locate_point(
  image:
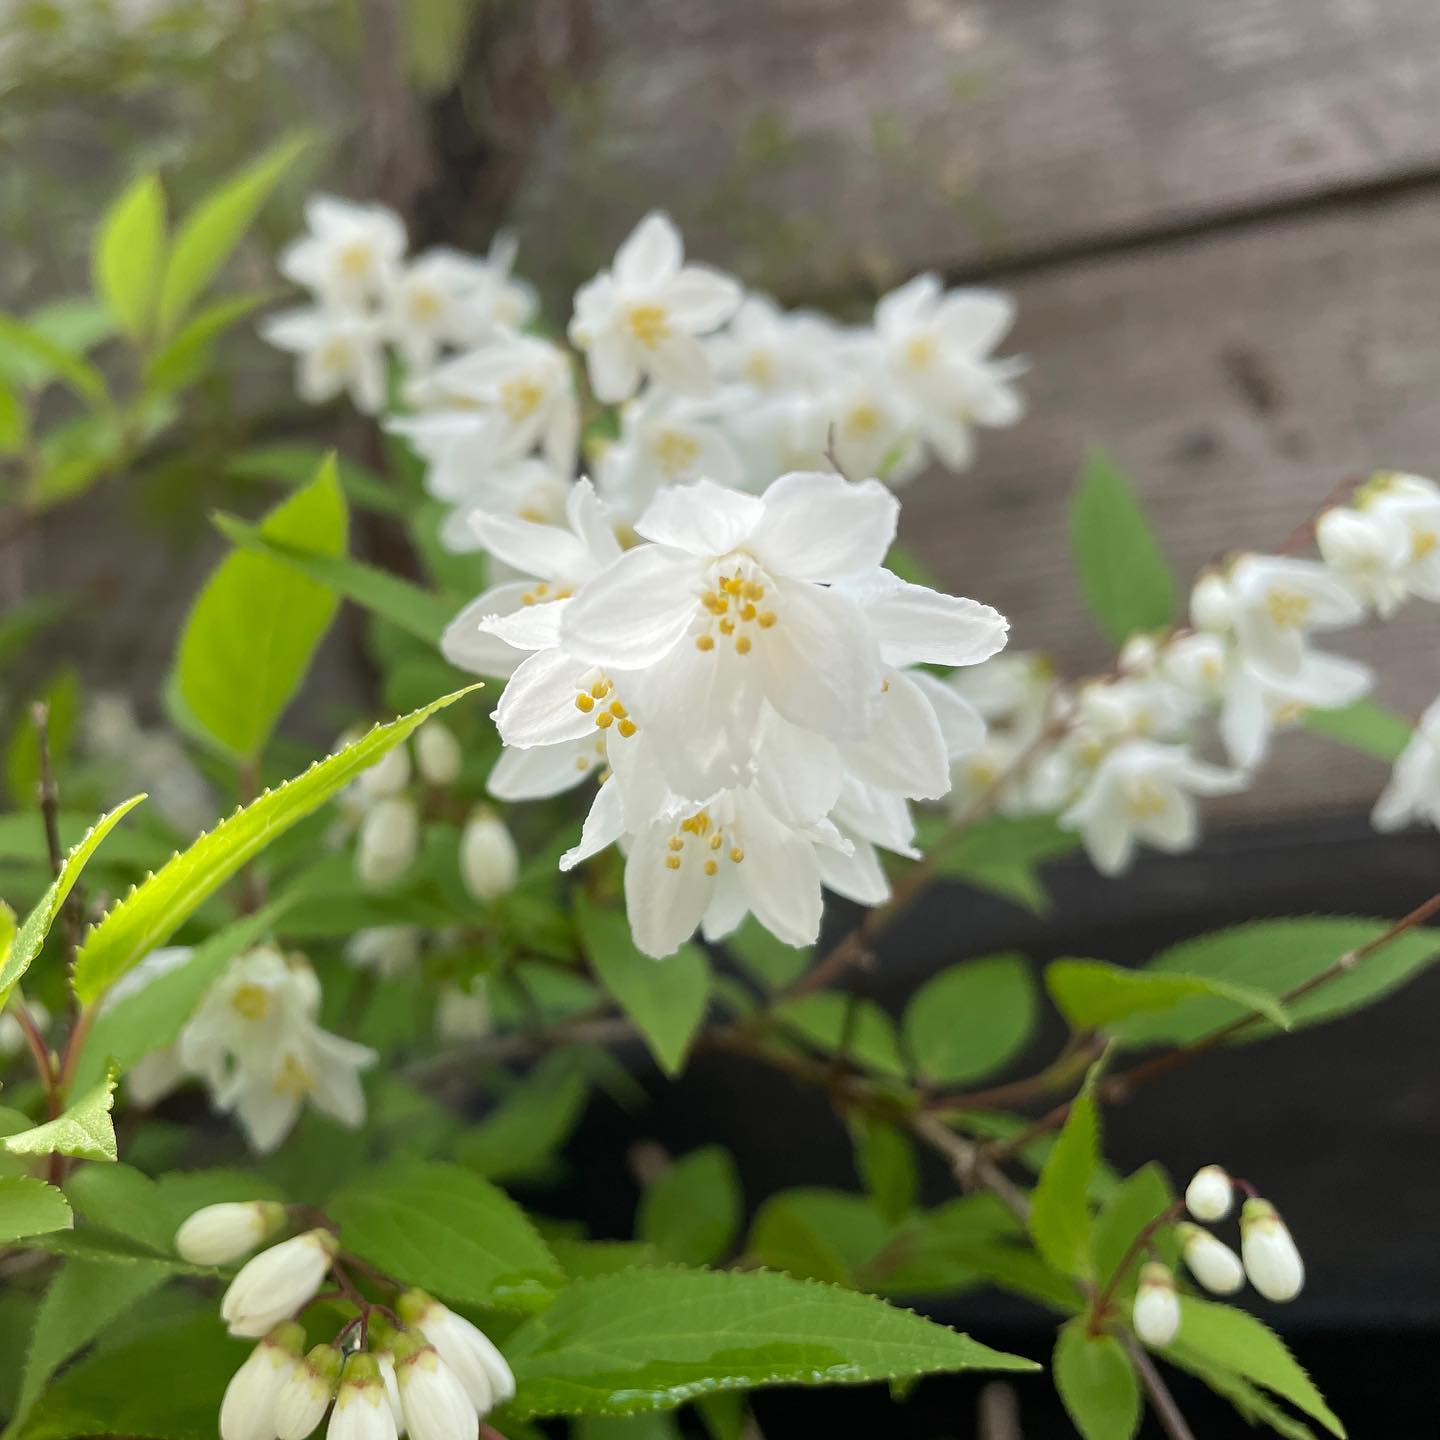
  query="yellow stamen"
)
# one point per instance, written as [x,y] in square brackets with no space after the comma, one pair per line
[675,843]
[649,324]
[742,644]
[251,1000]
[626,728]
[716,841]
[618,710]
[604,719]
[672,862]
[748,613]
[585,703]
[704,642]
[711,867]
[737,854]
[1287,608]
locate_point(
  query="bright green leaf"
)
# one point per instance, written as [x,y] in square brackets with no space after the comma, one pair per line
[1003,853]
[182,359]
[1363,726]
[1139,1199]
[1123,574]
[665,998]
[293,465]
[14,420]
[48,357]
[1093,995]
[254,629]
[85,1130]
[151,913]
[837,1023]
[31,1207]
[971,1019]
[653,1339]
[1097,1383]
[1059,1206]
[446,1230]
[129,253]
[692,1212]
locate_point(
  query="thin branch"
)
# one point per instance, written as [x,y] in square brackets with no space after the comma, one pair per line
[1161,1400]
[49,798]
[1136,1248]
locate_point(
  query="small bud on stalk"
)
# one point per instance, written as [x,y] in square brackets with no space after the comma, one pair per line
[466,1349]
[248,1410]
[219,1234]
[277,1283]
[361,1410]
[438,755]
[1210,1194]
[1212,1262]
[306,1395]
[389,841]
[1271,1260]
[489,861]
[435,1404]
[1156,1316]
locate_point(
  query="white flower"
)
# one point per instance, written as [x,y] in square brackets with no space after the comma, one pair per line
[641,318]
[463,1014]
[1212,603]
[277,1282]
[362,1410]
[351,254]
[1271,1260]
[937,347]
[306,1395]
[1278,602]
[217,1234]
[388,843]
[429,304]
[1210,1193]
[1413,792]
[248,1410]
[1367,552]
[435,1404]
[1156,1316]
[438,755]
[467,1350]
[1410,505]
[771,350]
[489,861]
[388,950]
[1142,791]
[1212,1262]
[337,351]
[386,1362]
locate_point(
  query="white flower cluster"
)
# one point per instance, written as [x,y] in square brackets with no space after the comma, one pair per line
[255,1044]
[744,683]
[709,382]
[1127,760]
[434,1376]
[1268,1257]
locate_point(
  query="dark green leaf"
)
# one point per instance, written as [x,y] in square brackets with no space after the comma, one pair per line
[885,1160]
[970,1019]
[1093,995]
[1060,1207]
[531,1122]
[1138,1200]
[31,1207]
[833,1022]
[692,1212]
[1097,1383]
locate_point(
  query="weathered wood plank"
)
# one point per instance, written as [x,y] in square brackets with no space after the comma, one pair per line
[1238,378]
[809,143]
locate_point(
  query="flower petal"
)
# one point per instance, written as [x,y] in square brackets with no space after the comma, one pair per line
[920,626]
[701,298]
[465,645]
[779,874]
[681,362]
[545,551]
[543,770]
[858,876]
[538,706]
[961,724]
[905,750]
[651,254]
[702,518]
[603,826]
[635,611]
[664,906]
[975,320]
[819,526]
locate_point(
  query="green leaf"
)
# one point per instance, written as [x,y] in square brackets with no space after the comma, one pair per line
[36,926]
[531,1122]
[1275,956]
[48,357]
[14,421]
[150,914]
[31,1207]
[971,1019]
[1364,726]
[416,611]
[21,623]
[1059,1206]
[788,1234]
[61,698]
[770,962]
[885,1160]
[209,234]
[665,998]
[1236,1340]
[833,1022]
[182,359]
[85,1298]
[448,1231]
[692,1213]
[1139,1199]
[1093,995]
[653,1339]
[254,629]
[85,1130]
[1122,572]
[293,465]
[1097,1384]
[129,254]
[1002,854]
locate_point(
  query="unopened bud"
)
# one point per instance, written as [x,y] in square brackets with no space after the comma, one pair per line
[1156,1317]
[219,1234]
[463,1014]
[466,1349]
[361,1410]
[306,1395]
[389,775]
[1271,1260]
[277,1283]
[434,1402]
[438,755]
[389,841]
[1212,606]
[489,861]
[1210,1194]
[248,1410]
[1212,1262]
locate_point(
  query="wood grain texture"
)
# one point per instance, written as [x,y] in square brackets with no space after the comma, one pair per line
[1237,378]
[811,143]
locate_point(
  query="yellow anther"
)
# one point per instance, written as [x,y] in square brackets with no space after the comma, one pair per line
[920,353]
[742,644]
[604,719]
[732,586]
[704,642]
[626,728]
[766,619]
[736,854]
[520,399]
[884,687]
[618,710]
[527,598]
[581,764]
[600,689]
[585,703]
[355,259]
[748,613]
[711,867]
[541,589]
[251,1000]
[727,627]
[716,840]
[754,590]
[672,862]
[649,324]
[1288,608]
[1422,542]
[675,843]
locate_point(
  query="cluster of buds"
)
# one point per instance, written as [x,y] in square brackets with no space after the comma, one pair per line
[1268,1256]
[421,1370]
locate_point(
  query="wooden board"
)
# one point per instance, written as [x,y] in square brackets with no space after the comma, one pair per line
[813,143]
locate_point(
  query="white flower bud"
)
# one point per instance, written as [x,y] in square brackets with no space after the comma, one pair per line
[438,755]
[465,1348]
[361,1410]
[218,1234]
[306,1395]
[1139,653]
[389,841]
[389,775]
[1271,1260]
[277,1283]
[392,1390]
[1156,1316]
[1212,1262]
[435,1404]
[248,1410]
[463,1014]
[489,861]
[388,950]
[1212,607]
[1210,1194]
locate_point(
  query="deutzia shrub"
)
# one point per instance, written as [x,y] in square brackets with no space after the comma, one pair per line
[682,727]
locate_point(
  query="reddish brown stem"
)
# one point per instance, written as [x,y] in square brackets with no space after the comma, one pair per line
[1101,1306]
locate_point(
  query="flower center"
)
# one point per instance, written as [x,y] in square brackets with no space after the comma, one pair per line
[920,352]
[542,594]
[1147,800]
[294,1079]
[520,398]
[760,368]
[702,838]
[599,701]
[424,305]
[1422,542]
[674,452]
[335,354]
[862,420]
[1287,608]
[736,607]
[648,324]
[355,259]
[251,1001]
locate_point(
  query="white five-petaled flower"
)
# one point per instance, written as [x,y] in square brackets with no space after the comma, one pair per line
[1271,1260]
[1367,553]
[277,1282]
[1413,792]
[350,255]
[247,1411]
[642,318]
[362,1408]
[430,304]
[338,351]
[1142,790]
[1277,602]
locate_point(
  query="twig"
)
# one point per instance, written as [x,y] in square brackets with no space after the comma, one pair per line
[48,794]
[1162,1401]
[1101,1304]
